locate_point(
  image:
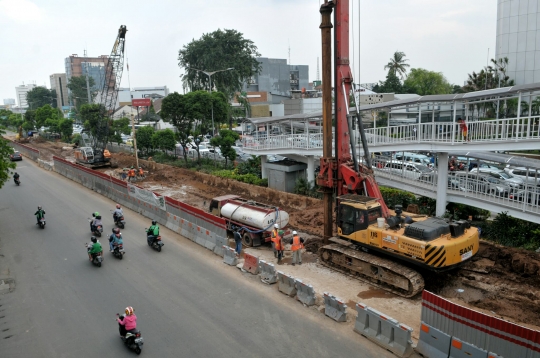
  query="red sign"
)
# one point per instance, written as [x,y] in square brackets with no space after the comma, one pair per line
[141,102]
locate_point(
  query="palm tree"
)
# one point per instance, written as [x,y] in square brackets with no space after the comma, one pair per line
[397,64]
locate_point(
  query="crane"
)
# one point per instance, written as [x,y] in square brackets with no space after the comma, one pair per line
[96,155]
[372,245]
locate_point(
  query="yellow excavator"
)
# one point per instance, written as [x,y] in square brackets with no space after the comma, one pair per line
[372,244]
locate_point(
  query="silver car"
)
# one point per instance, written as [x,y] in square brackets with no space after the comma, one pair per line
[482,183]
[515,183]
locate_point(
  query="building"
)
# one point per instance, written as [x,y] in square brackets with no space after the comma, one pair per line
[8,103]
[20,93]
[95,66]
[518,32]
[278,79]
[59,84]
[150,92]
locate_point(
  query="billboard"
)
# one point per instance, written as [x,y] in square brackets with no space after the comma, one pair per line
[141,102]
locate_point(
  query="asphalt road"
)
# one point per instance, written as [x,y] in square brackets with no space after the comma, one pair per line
[188,303]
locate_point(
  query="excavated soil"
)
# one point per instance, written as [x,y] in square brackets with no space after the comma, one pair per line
[500,281]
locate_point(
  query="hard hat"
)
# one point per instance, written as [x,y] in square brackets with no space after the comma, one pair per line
[129,310]
[276,226]
[294,233]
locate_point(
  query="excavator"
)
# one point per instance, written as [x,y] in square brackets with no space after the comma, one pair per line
[372,244]
[95,154]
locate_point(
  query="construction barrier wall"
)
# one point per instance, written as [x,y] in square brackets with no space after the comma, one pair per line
[488,333]
[201,227]
[25,150]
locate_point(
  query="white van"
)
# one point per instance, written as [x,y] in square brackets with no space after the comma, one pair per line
[413,171]
[413,158]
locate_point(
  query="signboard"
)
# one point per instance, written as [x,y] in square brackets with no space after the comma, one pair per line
[147,196]
[141,102]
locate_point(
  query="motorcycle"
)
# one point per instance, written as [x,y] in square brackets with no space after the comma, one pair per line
[132,340]
[155,242]
[96,231]
[41,223]
[119,221]
[118,251]
[96,258]
[17,181]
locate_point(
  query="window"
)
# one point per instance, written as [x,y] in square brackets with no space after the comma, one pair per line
[351,219]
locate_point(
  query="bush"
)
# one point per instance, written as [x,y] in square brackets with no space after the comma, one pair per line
[509,231]
[245,178]
[393,197]
[307,188]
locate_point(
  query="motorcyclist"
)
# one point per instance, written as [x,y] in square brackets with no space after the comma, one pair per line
[115,239]
[96,222]
[40,213]
[127,323]
[16,176]
[95,249]
[118,213]
[152,233]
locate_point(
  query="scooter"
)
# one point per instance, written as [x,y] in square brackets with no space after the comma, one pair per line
[154,242]
[120,222]
[132,340]
[17,181]
[118,251]
[41,223]
[96,231]
[96,258]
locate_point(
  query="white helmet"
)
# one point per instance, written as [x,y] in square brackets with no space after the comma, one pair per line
[294,233]
[276,226]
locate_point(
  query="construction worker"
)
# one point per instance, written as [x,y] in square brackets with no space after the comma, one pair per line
[280,245]
[141,173]
[274,238]
[297,244]
[131,174]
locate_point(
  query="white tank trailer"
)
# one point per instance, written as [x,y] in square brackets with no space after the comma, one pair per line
[248,214]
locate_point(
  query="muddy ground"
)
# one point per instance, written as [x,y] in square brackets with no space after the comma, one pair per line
[500,281]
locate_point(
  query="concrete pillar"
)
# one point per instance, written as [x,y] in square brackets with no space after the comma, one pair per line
[442,183]
[311,168]
[264,174]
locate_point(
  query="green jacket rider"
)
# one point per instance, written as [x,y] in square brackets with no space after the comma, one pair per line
[40,213]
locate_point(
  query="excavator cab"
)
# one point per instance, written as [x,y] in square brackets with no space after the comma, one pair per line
[356,213]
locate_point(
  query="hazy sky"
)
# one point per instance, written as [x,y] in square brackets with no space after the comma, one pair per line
[36,36]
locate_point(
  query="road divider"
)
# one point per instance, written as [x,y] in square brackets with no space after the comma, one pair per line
[460,349]
[304,292]
[286,284]
[335,308]
[433,343]
[251,264]
[229,256]
[268,272]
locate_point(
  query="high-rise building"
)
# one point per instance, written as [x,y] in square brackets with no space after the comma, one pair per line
[95,66]
[278,78]
[20,93]
[59,84]
[518,38]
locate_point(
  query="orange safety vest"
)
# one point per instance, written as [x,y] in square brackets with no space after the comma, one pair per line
[274,235]
[296,243]
[279,244]
[141,173]
[131,173]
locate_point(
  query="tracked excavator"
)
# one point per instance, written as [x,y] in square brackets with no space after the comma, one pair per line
[372,245]
[95,153]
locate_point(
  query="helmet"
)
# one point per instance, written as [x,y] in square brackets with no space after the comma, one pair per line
[294,233]
[118,206]
[276,226]
[96,214]
[39,207]
[154,222]
[129,311]
[94,239]
[116,230]
[132,167]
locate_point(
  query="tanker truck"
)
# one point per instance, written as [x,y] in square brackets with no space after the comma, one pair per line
[255,220]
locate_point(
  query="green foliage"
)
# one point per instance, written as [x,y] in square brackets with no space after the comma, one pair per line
[397,64]
[76,139]
[462,211]
[41,96]
[245,178]
[45,113]
[174,110]
[164,140]
[65,127]
[215,51]
[79,94]
[225,140]
[307,188]
[144,138]
[92,117]
[424,82]
[117,128]
[391,85]
[393,197]
[5,163]
[251,166]
[509,231]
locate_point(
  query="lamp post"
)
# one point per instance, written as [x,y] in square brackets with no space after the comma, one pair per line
[210,74]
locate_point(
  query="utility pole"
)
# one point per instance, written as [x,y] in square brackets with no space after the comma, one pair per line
[134,140]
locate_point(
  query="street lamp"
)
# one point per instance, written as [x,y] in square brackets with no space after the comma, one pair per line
[210,74]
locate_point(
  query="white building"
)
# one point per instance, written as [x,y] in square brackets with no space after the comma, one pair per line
[9,101]
[518,38]
[150,92]
[20,93]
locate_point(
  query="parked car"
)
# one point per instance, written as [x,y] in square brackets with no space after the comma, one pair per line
[413,158]
[413,171]
[513,182]
[481,183]
[15,156]
[530,176]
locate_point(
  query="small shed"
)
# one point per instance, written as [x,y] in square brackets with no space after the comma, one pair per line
[282,175]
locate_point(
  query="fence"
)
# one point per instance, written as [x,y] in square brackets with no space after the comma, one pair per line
[25,150]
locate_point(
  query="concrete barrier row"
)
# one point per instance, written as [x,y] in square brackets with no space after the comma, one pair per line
[335,308]
[286,284]
[305,293]
[45,164]
[268,272]
[25,150]
[229,256]
[385,331]
[251,264]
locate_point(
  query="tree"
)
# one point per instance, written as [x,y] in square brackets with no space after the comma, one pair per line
[225,140]
[144,138]
[119,127]
[29,120]
[4,117]
[40,96]
[174,110]
[44,113]
[164,140]
[391,85]
[65,127]
[77,86]
[397,64]
[424,82]
[5,163]
[92,118]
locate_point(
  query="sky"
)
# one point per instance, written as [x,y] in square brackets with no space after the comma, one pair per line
[452,37]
